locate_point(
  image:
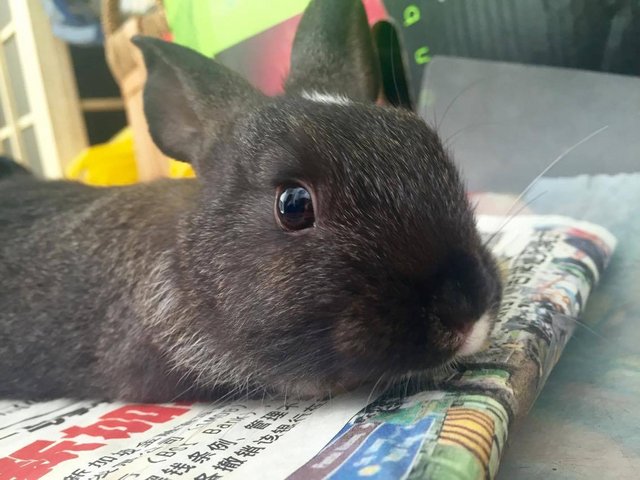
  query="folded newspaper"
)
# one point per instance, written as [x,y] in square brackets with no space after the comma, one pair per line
[456,429]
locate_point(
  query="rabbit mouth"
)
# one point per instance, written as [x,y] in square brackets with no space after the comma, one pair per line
[469,339]
[476,337]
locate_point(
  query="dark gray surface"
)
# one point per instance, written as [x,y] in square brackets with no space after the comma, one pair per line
[509,121]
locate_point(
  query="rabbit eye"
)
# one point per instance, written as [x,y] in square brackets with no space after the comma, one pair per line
[294,208]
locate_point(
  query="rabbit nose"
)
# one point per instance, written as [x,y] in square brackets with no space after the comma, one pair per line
[461,291]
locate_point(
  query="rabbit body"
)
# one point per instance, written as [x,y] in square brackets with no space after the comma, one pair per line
[327,242]
[77,265]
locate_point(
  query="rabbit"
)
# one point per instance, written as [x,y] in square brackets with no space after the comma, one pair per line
[325,241]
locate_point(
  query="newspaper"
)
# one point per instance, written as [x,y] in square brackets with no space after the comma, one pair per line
[456,429]
[64,439]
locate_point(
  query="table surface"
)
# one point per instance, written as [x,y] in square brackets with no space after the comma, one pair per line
[505,123]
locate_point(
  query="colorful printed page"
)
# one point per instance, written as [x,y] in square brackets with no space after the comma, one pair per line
[455,428]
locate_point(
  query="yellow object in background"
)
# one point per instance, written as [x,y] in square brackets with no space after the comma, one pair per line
[180,170]
[114,163]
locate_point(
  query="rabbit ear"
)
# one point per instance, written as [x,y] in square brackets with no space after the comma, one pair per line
[333,52]
[189,99]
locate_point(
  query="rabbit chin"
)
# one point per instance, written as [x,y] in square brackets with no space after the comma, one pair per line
[476,338]
[307,390]
[473,341]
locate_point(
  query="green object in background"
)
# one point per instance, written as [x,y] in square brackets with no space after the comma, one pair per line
[211,26]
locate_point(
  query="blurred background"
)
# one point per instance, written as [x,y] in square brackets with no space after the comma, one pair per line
[70,79]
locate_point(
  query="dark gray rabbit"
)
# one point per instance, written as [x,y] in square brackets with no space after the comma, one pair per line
[327,241]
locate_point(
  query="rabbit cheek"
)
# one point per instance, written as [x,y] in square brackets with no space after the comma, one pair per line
[360,338]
